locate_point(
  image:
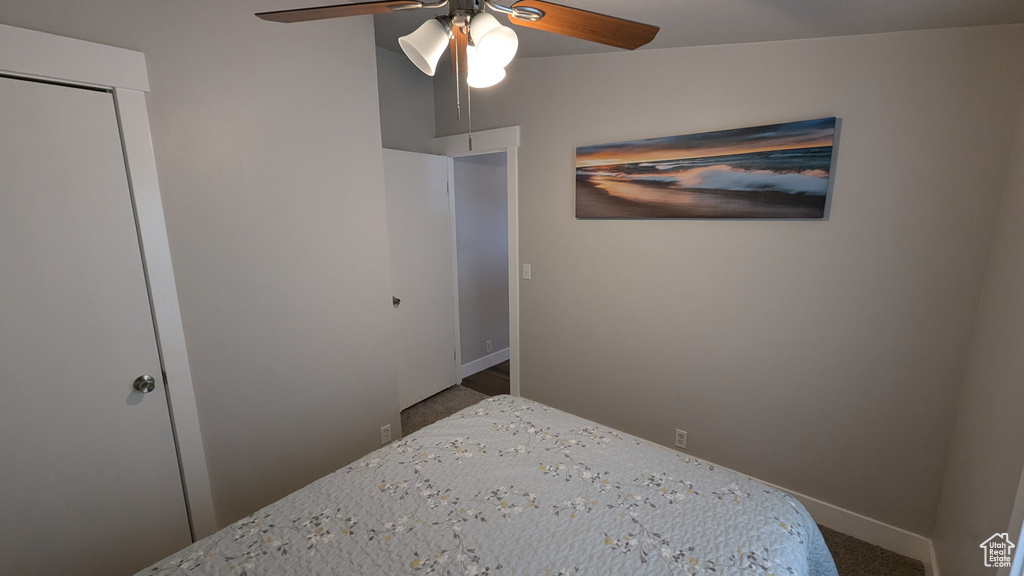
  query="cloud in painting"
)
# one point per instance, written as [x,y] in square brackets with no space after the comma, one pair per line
[803,134]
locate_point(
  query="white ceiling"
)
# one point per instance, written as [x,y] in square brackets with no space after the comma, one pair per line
[702,22]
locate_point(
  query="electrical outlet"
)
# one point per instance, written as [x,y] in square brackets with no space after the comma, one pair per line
[489,346]
[681,438]
[385,434]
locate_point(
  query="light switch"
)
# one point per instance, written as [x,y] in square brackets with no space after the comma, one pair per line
[526,271]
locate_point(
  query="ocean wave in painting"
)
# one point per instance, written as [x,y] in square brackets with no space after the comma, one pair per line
[800,171]
[726,178]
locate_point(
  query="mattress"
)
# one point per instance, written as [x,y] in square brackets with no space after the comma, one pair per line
[510,486]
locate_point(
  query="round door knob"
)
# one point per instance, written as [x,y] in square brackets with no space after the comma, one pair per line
[144,384]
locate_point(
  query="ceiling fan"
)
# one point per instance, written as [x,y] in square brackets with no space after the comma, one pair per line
[480,46]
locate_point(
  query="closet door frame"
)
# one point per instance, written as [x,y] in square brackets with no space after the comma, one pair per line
[40,56]
[498,140]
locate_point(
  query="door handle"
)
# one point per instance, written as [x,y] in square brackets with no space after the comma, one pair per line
[396,302]
[144,384]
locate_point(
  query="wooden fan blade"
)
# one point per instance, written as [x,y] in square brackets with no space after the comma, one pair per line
[585,25]
[337,11]
[458,46]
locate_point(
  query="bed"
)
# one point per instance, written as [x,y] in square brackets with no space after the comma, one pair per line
[510,486]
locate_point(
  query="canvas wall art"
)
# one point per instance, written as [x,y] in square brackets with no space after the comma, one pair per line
[776,171]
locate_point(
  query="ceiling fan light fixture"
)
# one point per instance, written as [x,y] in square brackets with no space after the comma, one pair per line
[499,46]
[480,24]
[495,43]
[425,45]
[481,73]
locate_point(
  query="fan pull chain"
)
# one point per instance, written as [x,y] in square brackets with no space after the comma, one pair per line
[458,88]
[458,94]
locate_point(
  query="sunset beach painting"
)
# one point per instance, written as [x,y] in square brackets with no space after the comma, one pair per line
[776,171]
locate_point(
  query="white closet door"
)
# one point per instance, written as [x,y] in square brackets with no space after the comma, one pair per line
[89,480]
[419,233]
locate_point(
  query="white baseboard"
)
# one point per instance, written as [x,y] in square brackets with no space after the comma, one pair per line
[870,530]
[863,528]
[483,363]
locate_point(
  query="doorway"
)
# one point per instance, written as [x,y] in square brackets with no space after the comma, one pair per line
[484,154]
[480,220]
[416,192]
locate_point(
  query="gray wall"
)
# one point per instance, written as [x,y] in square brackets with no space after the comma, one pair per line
[481,220]
[824,356]
[987,450]
[406,104]
[267,141]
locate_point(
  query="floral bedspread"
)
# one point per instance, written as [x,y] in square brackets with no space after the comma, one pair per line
[510,486]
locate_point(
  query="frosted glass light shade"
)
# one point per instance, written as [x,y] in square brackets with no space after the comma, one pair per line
[425,45]
[495,43]
[482,74]
[499,46]
[480,25]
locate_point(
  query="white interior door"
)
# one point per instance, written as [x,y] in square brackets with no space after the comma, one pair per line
[419,233]
[89,480]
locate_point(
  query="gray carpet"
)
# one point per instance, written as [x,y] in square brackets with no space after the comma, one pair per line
[858,558]
[853,557]
[440,405]
[492,381]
